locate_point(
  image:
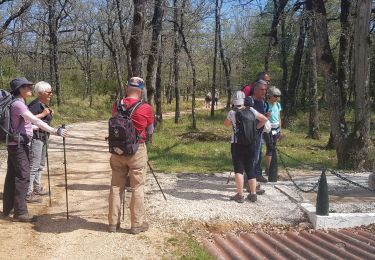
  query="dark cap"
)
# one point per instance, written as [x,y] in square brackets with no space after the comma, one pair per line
[19,82]
[136,82]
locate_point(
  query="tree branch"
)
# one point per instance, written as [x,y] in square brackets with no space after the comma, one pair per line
[22,9]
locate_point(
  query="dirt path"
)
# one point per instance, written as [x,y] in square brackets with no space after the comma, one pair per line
[197,205]
[84,235]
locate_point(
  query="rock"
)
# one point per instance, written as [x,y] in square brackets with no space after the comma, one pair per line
[371,180]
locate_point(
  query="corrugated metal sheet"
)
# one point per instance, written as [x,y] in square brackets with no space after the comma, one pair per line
[342,244]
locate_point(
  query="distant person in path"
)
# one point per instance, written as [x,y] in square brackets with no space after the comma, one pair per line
[134,165]
[274,109]
[207,100]
[18,172]
[243,152]
[39,107]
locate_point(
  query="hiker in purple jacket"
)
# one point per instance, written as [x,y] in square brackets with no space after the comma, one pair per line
[18,172]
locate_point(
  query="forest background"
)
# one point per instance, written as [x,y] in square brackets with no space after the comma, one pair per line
[319,53]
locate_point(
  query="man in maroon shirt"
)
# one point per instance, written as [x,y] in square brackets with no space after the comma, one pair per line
[134,166]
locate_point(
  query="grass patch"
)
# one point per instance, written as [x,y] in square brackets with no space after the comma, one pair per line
[186,248]
[178,148]
[77,110]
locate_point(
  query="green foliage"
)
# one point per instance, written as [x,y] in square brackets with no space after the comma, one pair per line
[77,110]
[8,71]
[186,248]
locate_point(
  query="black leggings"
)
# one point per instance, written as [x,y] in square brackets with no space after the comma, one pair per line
[243,159]
[270,141]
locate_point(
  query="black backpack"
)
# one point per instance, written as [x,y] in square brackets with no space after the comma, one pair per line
[122,136]
[246,126]
[7,134]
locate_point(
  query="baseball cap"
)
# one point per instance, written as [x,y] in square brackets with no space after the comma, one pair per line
[238,98]
[19,82]
[136,82]
[274,91]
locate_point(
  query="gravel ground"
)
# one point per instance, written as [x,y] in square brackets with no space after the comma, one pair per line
[205,197]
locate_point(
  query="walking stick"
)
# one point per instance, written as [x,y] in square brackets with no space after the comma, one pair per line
[49,183]
[152,170]
[66,178]
[230,173]
[123,205]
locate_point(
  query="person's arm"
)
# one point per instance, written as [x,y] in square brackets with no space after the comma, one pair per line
[261,118]
[27,115]
[45,113]
[227,121]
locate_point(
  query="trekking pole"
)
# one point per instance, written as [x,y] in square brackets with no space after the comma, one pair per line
[230,173]
[123,206]
[49,183]
[152,170]
[66,178]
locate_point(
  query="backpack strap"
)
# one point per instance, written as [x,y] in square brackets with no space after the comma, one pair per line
[120,107]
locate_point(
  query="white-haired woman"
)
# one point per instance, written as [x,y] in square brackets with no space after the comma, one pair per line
[39,107]
[18,171]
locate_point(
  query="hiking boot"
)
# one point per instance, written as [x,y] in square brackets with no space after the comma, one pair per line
[260,191]
[261,179]
[113,228]
[40,192]
[31,198]
[252,197]
[137,230]
[238,198]
[24,218]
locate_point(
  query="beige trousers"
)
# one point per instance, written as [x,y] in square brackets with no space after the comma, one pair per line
[136,167]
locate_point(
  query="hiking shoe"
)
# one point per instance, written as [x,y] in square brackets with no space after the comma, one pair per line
[24,218]
[137,230]
[238,198]
[40,192]
[260,191]
[252,197]
[261,179]
[113,228]
[257,188]
[31,198]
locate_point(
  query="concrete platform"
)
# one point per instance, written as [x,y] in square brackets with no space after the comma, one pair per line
[337,220]
[333,220]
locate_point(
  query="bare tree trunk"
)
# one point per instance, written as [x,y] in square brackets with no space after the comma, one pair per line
[156,23]
[136,39]
[278,9]
[345,37]
[123,37]
[113,51]
[290,100]
[158,93]
[351,149]
[284,65]
[225,62]
[314,129]
[176,64]
[213,88]
[359,137]
[53,49]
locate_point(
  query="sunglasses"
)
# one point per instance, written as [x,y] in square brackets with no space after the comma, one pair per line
[49,92]
[276,96]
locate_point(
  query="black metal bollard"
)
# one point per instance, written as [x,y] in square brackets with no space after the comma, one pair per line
[273,170]
[322,201]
